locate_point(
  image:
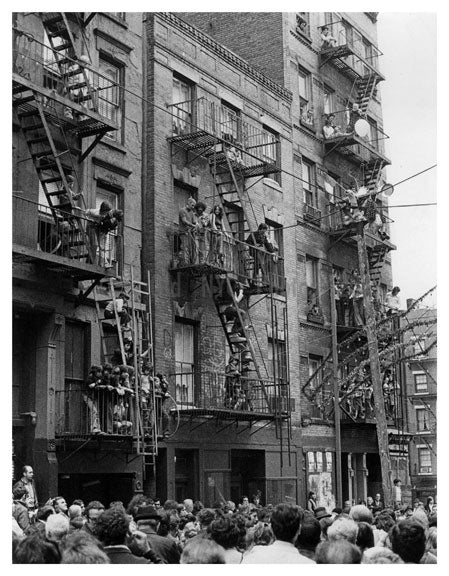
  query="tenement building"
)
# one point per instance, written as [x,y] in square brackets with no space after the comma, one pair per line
[201,250]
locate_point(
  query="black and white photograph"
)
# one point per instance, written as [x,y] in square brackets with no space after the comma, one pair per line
[224,285]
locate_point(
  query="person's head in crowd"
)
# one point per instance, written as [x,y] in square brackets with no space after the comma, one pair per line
[79,502]
[242,525]
[202,551]
[149,517]
[136,502]
[205,517]
[420,516]
[369,501]
[170,505]
[431,543]
[384,521]
[433,521]
[324,524]
[93,511]
[286,522]
[44,512]
[111,527]
[224,531]
[60,505]
[117,504]
[82,548]
[408,539]
[231,505]
[264,514]
[310,534]
[361,513]
[163,528]
[36,550]
[197,506]
[321,512]
[365,536]
[20,494]
[336,511]
[190,530]
[343,529]
[75,511]
[337,552]
[380,555]
[263,534]
[56,527]
[188,505]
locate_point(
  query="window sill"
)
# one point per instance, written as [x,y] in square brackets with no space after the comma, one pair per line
[115,145]
[303,35]
[425,474]
[272,184]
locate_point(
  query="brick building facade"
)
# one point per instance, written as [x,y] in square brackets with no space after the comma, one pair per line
[188,90]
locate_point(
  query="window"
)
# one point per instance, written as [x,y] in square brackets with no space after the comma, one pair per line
[312,280]
[305,98]
[419,346]
[328,100]
[276,262]
[422,420]
[277,352]
[182,109]
[424,461]
[420,382]
[112,244]
[230,122]
[314,362]
[308,183]
[71,405]
[182,192]
[373,135]
[109,95]
[270,150]
[303,23]
[184,361]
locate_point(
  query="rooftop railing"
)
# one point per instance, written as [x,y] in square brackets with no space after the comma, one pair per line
[217,391]
[70,237]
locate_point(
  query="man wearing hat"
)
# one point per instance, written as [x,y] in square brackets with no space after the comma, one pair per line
[321,512]
[148,519]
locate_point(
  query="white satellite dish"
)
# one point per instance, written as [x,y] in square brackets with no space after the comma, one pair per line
[387,189]
[361,128]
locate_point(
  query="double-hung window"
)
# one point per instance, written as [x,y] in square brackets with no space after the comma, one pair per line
[182,106]
[109,95]
[422,420]
[420,382]
[424,461]
[305,97]
[308,183]
[312,280]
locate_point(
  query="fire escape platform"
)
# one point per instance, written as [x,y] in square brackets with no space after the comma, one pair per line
[343,142]
[88,122]
[234,415]
[349,234]
[60,264]
[336,55]
[214,148]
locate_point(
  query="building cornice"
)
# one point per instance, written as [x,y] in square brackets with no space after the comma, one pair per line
[226,55]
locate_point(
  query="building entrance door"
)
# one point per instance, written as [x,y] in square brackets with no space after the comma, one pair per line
[247,474]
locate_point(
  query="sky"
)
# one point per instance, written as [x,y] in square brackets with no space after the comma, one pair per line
[409,96]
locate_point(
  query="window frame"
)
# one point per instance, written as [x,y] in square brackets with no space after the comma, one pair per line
[312,289]
[416,384]
[115,235]
[117,104]
[184,115]
[422,420]
[191,375]
[422,469]
[309,193]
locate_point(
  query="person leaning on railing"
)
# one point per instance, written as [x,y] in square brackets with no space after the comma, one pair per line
[102,220]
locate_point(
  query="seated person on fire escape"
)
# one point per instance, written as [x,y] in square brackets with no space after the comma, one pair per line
[102,220]
[121,306]
[388,389]
[330,129]
[201,233]
[328,41]
[216,235]
[187,231]
[128,348]
[263,249]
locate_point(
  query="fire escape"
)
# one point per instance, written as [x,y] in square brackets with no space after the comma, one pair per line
[59,104]
[239,154]
[362,364]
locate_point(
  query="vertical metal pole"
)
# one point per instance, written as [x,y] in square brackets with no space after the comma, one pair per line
[338,474]
[379,407]
[137,352]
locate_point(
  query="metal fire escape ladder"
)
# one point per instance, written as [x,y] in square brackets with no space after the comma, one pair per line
[63,45]
[365,90]
[48,164]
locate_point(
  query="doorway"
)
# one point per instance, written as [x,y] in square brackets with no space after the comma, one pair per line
[247,474]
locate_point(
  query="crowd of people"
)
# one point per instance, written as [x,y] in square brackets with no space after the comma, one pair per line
[188,533]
